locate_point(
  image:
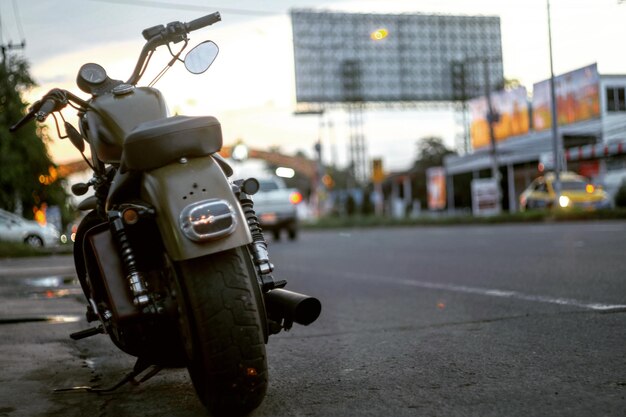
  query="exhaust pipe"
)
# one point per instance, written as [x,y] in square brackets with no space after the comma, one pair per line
[291,307]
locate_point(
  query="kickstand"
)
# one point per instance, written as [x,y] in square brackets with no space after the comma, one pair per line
[139,367]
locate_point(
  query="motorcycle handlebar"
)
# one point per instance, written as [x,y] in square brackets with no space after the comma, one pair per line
[39,110]
[27,118]
[158,35]
[162,35]
[47,107]
[55,100]
[203,21]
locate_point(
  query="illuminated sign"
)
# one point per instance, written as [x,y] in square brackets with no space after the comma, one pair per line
[436,187]
[577,98]
[511,108]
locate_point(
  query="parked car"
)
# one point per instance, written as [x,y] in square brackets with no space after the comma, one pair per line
[17,229]
[576,192]
[276,207]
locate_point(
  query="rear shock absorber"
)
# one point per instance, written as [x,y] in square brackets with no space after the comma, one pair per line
[138,289]
[258,247]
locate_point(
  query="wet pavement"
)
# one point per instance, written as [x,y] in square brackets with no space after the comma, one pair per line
[41,304]
[415,322]
[39,289]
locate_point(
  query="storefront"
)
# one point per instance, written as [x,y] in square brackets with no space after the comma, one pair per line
[591,111]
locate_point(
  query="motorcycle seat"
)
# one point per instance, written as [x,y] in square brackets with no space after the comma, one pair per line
[157,143]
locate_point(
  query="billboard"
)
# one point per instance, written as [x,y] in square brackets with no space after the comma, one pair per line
[352,57]
[577,98]
[511,108]
[436,188]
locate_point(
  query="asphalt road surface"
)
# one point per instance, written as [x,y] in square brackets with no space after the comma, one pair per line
[512,320]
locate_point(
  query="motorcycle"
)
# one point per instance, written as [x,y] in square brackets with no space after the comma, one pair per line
[170,256]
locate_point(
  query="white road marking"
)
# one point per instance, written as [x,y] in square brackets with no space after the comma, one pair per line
[509,294]
[491,292]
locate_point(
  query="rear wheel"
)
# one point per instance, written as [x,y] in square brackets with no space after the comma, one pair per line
[223,332]
[34,241]
[292,231]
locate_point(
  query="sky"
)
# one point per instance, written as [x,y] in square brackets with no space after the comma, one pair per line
[251,86]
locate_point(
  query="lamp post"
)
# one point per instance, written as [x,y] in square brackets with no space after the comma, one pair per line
[492,117]
[556,143]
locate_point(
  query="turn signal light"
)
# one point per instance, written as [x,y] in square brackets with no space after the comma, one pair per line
[130,216]
[590,188]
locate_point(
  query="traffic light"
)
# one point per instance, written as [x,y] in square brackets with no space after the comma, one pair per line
[377,170]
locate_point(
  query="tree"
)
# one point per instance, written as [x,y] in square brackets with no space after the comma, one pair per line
[27,175]
[512,83]
[430,153]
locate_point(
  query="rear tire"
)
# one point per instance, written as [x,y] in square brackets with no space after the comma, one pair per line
[292,232]
[34,241]
[223,332]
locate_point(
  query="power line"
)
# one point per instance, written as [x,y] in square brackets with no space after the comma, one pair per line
[1,28]
[177,6]
[18,20]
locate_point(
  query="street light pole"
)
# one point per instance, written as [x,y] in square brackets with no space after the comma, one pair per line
[556,143]
[492,118]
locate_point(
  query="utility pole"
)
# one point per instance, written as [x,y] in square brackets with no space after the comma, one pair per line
[4,49]
[9,47]
[491,119]
[8,90]
[556,142]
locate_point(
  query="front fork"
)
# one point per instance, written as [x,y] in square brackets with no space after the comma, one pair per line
[258,247]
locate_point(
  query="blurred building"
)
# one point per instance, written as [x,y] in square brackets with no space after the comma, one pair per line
[591,116]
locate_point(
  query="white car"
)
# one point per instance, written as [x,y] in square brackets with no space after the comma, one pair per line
[276,207]
[14,228]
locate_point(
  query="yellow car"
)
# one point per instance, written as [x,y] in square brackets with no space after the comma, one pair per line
[576,192]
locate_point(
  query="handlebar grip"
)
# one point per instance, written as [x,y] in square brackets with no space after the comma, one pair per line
[204,21]
[46,108]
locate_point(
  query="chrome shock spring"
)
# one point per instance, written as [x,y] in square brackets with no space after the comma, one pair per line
[134,277]
[258,247]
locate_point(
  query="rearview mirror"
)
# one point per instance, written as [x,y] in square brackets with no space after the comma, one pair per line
[200,58]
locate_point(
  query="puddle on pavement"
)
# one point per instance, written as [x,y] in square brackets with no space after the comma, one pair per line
[53,319]
[52,287]
[52,281]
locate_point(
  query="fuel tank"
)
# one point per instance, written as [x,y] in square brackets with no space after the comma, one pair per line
[114,116]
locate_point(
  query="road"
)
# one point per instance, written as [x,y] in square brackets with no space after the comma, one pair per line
[509,320]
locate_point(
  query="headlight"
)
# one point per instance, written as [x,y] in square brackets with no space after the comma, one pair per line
[564,201]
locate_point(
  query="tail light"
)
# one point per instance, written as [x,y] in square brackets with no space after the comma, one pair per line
[295,198]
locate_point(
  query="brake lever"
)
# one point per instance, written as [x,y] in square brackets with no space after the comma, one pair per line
[27,117]
[54,100]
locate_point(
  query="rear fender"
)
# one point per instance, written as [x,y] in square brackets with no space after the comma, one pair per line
[176,190]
